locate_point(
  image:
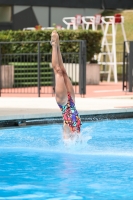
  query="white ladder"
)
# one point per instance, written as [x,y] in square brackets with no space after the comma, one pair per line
[113,22]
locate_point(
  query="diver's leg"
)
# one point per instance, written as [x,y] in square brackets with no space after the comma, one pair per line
[66,78]
[60,87]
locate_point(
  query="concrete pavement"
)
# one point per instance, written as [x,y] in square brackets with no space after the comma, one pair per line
[26,108]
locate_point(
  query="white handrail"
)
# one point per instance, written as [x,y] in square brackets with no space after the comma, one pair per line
[29,29]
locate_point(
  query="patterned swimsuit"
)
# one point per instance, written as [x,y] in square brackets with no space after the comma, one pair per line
[70,115]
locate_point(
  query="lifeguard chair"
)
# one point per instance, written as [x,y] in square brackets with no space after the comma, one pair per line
[92,22]
[79,21]
[98,21]
[109,48]
[89,22]
[29,29]
[73,22]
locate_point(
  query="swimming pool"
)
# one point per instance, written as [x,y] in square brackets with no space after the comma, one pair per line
[35,164]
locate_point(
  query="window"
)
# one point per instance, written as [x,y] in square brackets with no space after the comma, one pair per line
[5,13]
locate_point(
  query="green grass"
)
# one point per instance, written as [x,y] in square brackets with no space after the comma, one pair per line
[128,25]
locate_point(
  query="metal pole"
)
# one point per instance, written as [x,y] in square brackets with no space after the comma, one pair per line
[49,17]
[38,67]
[130,71]
[126,69]
[82,68]
[124,54]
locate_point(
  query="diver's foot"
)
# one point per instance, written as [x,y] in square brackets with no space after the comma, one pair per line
[54,38]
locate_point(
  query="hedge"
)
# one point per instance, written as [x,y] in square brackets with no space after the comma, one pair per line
[93,41]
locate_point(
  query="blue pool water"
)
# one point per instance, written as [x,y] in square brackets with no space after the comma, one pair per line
[36,165]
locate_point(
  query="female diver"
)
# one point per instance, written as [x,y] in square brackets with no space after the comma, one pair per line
[64,92]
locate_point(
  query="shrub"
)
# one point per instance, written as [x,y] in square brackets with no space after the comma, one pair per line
[93,41]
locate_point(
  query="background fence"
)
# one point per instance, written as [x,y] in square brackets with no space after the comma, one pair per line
[31,72]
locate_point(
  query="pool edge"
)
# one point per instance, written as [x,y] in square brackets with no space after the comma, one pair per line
[85,116]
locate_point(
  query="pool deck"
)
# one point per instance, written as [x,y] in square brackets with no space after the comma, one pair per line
[101,99]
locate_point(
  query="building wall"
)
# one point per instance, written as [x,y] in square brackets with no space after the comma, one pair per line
[57,14]
[30,16]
